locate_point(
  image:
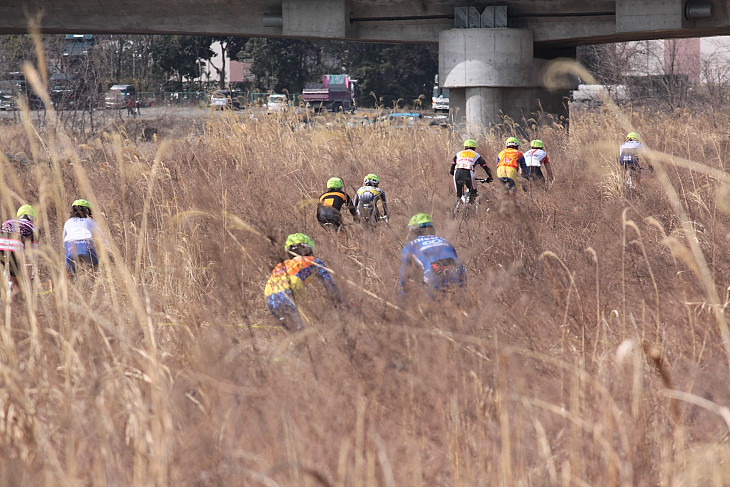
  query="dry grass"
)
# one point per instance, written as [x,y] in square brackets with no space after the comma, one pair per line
[587,350]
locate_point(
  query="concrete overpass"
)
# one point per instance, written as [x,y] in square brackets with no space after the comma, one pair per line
[490,56]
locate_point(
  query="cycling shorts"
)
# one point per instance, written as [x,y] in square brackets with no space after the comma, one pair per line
[629,162]
[281,306]
[464,177]
[329,214]
[536,173]
[77,250]
[508,175]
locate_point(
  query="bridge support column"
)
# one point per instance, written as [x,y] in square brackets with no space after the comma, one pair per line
[489,72]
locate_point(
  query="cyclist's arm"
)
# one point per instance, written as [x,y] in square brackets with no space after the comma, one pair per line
[549,171]
[523,166]
[483,163]
[350,206]
[329,284]
[546,162]
[385,203]
[405,271]
[453,166]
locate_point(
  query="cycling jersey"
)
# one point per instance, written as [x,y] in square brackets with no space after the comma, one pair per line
[79,229]
[293,274]
[536,158]
[14,237]
[330,204]
[286,285]
[511,158]
[467,159]
[337,199]
[436,260]
[23,228]
[370,195]
[629,153]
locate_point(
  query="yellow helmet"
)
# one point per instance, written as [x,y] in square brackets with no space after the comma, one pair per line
[26,210]
[420,220]
[81,203]
[298,239]
[512,142]
[470,144]
[537,144]
[632,136]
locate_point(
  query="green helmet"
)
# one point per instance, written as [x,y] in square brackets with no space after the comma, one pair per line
[371,180]
[470,144]
[81,203]
[26,210]
[420,220]
[298,239]
[512,142]
[335,183]
[537,144]
[632,136]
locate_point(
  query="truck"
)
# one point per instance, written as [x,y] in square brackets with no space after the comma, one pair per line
[336,92]
[440,97]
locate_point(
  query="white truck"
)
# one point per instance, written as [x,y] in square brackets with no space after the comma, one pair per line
[440,97]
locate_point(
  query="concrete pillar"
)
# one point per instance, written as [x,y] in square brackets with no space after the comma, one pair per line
[488,72]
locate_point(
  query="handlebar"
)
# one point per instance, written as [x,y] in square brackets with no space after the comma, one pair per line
[483,180]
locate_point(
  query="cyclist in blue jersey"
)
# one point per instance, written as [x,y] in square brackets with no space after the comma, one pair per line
[429,259]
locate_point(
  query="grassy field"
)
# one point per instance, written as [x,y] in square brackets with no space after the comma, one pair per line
[589,348]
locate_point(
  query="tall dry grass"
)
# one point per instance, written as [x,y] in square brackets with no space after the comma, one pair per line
[587,348]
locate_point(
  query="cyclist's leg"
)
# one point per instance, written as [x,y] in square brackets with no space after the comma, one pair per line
[536,174]
[509,184]
[281,306]
[71,258]
[471,185]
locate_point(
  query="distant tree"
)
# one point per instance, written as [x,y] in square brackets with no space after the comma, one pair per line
[392,71]
[179,57]
[230,47]
[14,50]
[284,64]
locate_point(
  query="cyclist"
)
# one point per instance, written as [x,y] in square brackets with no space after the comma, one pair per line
[15,235]
[331,203]
[462,168]
[535,159]
[367,198]
[629,153]
[429,259]
[286,283]
[79,233]
[508,161]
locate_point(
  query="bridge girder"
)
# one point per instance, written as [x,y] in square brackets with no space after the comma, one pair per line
[553,22]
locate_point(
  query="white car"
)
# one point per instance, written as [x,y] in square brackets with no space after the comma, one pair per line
[277,103]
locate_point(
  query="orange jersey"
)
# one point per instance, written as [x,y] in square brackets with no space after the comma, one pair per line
[510,157]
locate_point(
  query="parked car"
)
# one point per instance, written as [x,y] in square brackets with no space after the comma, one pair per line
[222,99]
[118,95]
[277,103]
[7,102]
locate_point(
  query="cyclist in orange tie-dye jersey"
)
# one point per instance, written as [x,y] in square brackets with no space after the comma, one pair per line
[287,280]
[508,163]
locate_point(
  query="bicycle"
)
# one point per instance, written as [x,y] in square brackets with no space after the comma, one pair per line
[631,183]
[16,268]
[463,207]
